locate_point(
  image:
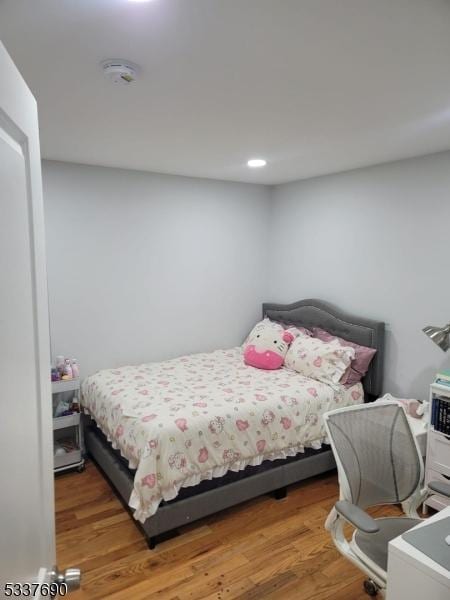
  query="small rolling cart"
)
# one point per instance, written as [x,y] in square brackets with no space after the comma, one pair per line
[68,443]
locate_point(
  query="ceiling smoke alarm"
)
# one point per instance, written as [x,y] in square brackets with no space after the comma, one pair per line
[120,72]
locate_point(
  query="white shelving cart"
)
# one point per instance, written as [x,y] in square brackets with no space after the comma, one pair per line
[437,466]
[68,431]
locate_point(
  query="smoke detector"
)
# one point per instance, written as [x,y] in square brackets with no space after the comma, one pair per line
[120,72]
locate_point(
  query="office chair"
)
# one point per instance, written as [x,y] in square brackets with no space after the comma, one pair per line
[378,462]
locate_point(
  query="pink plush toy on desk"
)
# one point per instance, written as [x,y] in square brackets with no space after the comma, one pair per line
[268,349]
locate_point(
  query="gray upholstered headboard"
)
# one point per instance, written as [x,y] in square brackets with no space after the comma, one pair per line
[315,313]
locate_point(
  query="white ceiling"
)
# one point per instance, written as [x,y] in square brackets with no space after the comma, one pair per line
[313,86]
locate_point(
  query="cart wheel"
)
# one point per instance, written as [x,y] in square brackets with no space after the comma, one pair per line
[81,468]
[370,587]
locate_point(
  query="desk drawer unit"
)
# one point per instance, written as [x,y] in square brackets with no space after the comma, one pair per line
[438,454]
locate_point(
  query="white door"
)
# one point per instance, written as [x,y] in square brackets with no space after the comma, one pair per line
[27,534]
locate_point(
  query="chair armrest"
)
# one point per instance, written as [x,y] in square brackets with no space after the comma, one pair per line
[356,516]
[440,487]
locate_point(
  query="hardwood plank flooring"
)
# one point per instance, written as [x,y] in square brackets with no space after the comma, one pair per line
[261,550]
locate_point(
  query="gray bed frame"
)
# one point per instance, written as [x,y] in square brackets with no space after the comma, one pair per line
[174,514]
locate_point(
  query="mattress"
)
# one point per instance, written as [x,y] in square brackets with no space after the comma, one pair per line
[197,417]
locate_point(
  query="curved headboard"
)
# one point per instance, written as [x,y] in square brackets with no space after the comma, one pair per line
[316,313]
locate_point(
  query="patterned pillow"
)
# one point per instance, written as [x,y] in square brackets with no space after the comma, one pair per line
[323,361]
[359,365]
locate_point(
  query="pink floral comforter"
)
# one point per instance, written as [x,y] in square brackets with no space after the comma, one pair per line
[197,417]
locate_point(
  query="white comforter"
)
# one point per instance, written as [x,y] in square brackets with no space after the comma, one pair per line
[197,417]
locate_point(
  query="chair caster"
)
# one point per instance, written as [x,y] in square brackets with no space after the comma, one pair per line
[370,587]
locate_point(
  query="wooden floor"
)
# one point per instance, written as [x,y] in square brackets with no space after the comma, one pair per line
[263,549]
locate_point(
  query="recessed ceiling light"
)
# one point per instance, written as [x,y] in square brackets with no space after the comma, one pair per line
[256,162]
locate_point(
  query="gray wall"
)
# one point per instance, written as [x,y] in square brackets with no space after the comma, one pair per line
[142,267]
[374,241]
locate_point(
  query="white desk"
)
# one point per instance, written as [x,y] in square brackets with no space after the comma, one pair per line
[412,574]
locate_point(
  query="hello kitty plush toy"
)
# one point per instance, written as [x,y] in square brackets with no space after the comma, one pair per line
[268,348]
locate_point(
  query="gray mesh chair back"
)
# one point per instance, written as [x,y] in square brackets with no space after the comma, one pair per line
[377,452]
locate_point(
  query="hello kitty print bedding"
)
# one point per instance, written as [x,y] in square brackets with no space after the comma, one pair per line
[196,417]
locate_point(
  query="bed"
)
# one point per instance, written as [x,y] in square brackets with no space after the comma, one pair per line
[191,436]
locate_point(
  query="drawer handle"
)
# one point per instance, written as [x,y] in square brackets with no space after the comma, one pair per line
[446,476]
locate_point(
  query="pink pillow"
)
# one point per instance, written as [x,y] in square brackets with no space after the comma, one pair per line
[267,346]
[359,365]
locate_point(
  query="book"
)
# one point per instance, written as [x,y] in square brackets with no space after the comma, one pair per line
[443,382]
[444,375]
[433,412]
[440,415]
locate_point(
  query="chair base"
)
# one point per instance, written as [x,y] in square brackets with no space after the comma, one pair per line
[370,587]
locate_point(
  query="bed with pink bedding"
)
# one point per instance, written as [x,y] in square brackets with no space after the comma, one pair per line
[196,417]
[187,437]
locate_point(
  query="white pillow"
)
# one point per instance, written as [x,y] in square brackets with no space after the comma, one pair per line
[323,361]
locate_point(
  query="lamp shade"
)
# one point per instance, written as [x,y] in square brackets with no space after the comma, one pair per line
[439,335]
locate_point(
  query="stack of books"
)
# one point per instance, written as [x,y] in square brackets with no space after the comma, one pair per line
[440,410]
[443,377]
[440,415]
